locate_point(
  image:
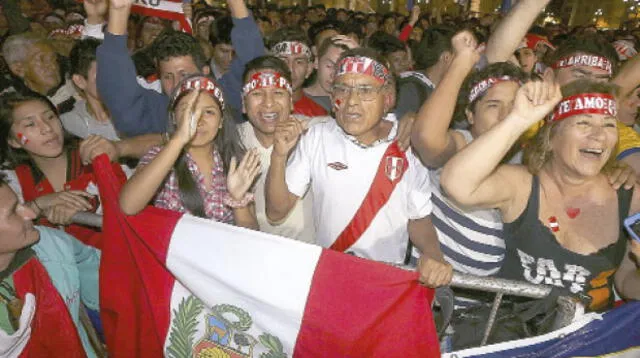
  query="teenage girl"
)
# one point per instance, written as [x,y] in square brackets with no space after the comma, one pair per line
[197,170]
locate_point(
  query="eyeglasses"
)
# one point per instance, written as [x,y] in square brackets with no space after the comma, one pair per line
[366,92]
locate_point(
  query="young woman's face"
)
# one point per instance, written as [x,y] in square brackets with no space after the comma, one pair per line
[210,119]
[37,129]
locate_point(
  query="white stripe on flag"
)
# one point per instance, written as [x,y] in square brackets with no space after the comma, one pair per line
[262,276]
[160,5]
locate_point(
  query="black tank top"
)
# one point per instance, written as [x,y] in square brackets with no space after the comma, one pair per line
[533,254]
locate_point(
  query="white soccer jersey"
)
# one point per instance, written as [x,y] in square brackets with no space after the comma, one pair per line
[340,173]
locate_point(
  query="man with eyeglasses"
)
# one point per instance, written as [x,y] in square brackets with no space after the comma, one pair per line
[370,197]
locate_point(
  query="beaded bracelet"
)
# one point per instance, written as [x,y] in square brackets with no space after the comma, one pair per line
[236,204]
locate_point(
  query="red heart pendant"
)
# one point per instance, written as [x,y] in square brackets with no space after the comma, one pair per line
[573,212]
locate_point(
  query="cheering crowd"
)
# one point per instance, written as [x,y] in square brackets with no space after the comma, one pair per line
[489,146]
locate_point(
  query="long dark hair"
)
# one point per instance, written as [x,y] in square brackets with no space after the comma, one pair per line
[12,157]
[227,143]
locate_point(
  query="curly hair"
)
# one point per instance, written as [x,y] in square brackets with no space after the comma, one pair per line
[538,152]
[498,69]
[170,44]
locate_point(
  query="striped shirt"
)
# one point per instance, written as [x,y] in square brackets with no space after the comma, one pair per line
[471,240]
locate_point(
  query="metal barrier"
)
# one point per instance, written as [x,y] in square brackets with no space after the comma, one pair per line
[567,306]
[87,219]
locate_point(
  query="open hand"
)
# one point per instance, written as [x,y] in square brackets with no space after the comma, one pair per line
[189,118]
[345,41]
[622,174]
[241,177]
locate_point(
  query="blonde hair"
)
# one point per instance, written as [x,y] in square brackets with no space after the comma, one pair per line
[538,151]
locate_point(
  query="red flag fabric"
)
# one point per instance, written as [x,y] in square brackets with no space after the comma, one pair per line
[52,315]
[181,286]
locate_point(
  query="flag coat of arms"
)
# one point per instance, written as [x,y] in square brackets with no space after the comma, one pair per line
[178,286]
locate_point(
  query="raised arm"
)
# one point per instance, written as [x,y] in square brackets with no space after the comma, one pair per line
[471,177]
[509,34]
[432,140]
[148,178]
[408,28]
[629,76]
[134,110]
[247,43]
[96,15]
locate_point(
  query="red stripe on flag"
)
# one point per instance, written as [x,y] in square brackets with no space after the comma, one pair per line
[362,308]
[135,287]
[163,14]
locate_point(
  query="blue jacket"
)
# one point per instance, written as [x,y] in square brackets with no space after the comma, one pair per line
[73,268]
[136,110]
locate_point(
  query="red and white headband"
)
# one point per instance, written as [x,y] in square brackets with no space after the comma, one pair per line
[585,103]
[483,86]
[288,48]
[363,65]
[265,80]
[594,61]
[201,83]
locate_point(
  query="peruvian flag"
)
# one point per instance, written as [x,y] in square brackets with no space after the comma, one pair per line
[178,286]
[165,9]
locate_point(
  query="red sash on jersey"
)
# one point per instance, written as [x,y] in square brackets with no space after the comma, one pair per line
[79,178]
[53,333]
[390,171]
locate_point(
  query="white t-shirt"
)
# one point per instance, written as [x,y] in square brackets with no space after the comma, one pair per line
[81,123]
[299,224]
[340,173]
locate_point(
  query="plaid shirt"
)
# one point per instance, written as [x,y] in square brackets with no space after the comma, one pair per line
[169,196]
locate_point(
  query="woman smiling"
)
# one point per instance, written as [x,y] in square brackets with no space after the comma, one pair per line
[563,220]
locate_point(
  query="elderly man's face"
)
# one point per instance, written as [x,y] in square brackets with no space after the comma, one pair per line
[41,69]
[360,101]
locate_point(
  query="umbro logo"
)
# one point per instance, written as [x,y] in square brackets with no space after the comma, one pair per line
[337,166]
